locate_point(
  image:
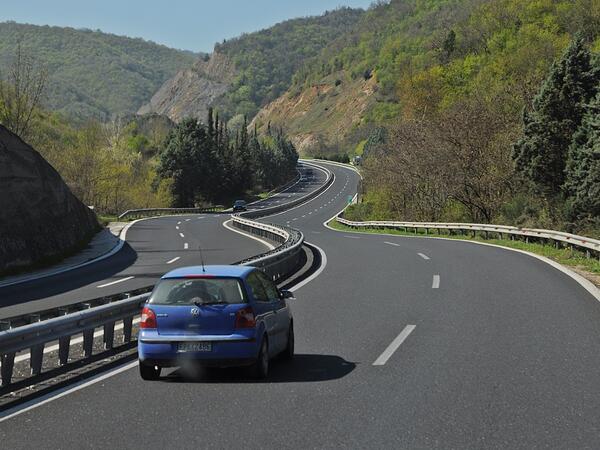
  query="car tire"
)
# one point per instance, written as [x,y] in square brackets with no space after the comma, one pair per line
[288,353]
[260,369]
[149,373]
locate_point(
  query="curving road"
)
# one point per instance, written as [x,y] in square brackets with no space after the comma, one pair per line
[153,247]
[402,343]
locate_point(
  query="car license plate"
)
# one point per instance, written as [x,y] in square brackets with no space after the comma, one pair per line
[194,347]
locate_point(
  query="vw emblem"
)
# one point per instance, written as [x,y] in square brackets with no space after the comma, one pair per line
[195,312]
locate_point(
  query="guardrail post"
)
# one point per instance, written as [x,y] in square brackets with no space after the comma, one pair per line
[64,343]
[88,337]
[8,362]
[109,335]
[7,359]
[36,353]
[127,327]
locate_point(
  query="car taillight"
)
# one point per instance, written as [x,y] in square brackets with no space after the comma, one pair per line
[148,319]
[244,318]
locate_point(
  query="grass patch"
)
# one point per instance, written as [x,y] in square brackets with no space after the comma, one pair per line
[105,220]
[566,256]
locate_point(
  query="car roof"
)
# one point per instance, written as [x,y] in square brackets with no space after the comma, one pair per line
[216,271]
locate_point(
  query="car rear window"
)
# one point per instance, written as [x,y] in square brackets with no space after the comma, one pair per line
[198,291]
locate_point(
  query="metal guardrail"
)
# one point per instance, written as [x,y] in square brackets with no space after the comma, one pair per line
[33,337]
[150,212]
[588,245]
[61,329]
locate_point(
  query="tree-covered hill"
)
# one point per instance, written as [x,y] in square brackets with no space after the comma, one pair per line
[463,110]
[413,57]
[248,72]
[93,74]
[266,60]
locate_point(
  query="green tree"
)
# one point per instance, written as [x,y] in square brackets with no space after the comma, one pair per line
[183,160]
[583,168]
[558,109]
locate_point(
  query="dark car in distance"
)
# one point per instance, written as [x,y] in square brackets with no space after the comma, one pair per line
[239,205]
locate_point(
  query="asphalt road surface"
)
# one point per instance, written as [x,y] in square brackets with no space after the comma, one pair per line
[401,342]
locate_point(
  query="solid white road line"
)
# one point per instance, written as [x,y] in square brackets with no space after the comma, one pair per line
[115,282]
[28,406]
[436,282]
[392,243]
[186,246]
[181,234]
[173,260]
[422,255]
[317,273]
[251,236]
[389,351]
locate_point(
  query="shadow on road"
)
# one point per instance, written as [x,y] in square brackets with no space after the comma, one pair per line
[302,369]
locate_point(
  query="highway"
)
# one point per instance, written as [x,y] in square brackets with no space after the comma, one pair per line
[401,342]
[153,247]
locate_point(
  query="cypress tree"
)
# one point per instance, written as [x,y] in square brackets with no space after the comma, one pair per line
[557,113]
[583,168]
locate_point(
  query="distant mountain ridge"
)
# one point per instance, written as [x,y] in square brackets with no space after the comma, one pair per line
[93,74]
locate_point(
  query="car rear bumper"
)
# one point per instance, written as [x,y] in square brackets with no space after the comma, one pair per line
[232,350]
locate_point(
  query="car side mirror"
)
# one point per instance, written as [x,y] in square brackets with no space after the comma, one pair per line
[286,295]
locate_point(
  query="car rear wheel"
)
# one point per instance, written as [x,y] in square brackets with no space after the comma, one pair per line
[150,373]
[260,369]
[288,353]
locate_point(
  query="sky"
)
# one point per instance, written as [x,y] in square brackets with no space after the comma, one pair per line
[184,24]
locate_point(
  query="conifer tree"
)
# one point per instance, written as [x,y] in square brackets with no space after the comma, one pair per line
[583,168]
[557,113]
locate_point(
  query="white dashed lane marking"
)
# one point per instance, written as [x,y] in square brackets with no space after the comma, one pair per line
[389,351]
[115,282]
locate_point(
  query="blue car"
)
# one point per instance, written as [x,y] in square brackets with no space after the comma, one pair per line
[219,316]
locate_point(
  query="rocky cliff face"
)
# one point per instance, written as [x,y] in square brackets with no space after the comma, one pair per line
[192,91]
[40,219]
[321,118]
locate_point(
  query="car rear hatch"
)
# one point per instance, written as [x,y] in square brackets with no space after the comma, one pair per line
[196,320]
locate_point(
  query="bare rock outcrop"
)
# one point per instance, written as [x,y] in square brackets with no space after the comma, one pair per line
[192,91]
[40,218]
